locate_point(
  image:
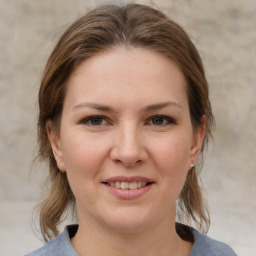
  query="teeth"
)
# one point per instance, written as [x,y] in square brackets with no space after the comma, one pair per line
[143,183]
[128,185]
[124,185]
[133,185]
[117,184]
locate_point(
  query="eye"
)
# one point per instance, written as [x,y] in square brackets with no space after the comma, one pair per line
[161,120]
[94,121]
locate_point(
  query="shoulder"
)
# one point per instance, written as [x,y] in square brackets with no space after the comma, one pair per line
[206,246]
[39,252]
[60,246]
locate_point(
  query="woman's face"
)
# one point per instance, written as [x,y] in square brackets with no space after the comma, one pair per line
[126,140]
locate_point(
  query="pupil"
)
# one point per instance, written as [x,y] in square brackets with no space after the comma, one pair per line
[158,120]
[96,121]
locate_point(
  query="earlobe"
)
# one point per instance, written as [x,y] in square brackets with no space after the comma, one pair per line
[197,141]
[54,139]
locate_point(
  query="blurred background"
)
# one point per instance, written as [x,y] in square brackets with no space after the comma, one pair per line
[224,31]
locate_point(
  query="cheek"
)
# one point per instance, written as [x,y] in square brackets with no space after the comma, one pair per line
[83,156]
[171,158]
[172,154]
[83,159]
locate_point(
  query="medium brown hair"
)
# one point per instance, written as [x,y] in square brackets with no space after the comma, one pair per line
[131,25]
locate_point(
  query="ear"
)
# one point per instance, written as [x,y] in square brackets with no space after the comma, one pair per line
[54,139]
[197,142]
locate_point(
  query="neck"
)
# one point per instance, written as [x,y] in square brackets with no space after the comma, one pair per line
[160,240]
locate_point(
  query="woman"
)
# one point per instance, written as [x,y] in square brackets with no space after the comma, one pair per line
[123,116]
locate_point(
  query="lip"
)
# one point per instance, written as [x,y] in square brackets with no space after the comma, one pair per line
[128,193]
[128,179]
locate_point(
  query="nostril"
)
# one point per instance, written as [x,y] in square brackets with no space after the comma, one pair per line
[128,151]
[127,163]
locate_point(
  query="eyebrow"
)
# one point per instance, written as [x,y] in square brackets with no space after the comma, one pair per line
[110,109]
[95,106]
[160,106]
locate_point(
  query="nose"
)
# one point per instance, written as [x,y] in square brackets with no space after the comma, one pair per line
[128,147]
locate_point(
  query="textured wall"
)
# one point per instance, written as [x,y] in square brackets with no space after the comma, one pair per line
[225,34]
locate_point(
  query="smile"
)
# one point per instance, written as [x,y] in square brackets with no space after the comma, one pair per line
[128,185]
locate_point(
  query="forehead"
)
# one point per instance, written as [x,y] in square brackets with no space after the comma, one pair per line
[135,74]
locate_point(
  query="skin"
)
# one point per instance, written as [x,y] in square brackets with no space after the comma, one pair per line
[129,140]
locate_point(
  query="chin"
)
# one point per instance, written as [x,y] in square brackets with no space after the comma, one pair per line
[128,221]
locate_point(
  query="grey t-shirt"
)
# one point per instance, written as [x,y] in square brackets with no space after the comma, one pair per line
[203,245]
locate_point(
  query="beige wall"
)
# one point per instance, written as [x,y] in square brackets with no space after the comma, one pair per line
[225,34]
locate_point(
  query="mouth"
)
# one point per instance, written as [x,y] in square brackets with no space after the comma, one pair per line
[128,185]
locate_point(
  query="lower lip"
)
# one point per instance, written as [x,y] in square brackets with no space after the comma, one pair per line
[129,193]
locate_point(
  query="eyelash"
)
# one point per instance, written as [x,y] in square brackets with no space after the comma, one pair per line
[88,120]
[169,120]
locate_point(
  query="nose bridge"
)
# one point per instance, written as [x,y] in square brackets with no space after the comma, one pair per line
[128,148]
[129,136]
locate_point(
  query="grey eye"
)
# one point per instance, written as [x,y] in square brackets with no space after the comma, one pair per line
[159,120]
[96,120]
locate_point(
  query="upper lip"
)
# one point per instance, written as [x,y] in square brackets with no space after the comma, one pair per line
[128,179]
